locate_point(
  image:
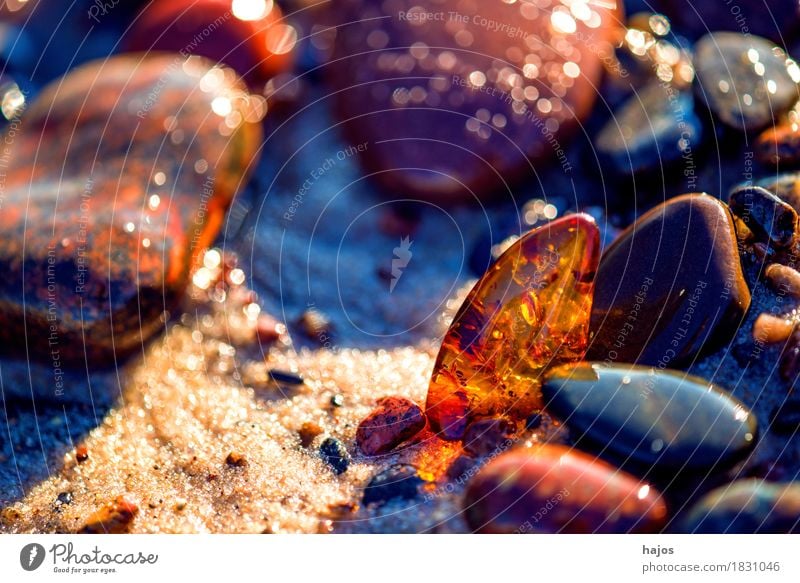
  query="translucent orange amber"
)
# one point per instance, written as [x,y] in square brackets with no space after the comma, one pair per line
[528,312]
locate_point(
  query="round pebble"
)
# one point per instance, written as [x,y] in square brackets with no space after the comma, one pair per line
[450,108]
[766,215]
[655,301]
[746,507]
[122,233]
[746,80]
[662,423]
[551,488]
[654,127]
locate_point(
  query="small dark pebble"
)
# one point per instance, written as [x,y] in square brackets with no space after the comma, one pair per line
[399,481]
[285,378]
[461,468]
[334,453]
[65,498]
[488,436]
[534,421]
[765,214]
[236,460]
[81,453]
[785,419]
[337,400]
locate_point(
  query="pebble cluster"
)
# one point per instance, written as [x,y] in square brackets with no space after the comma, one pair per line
[574,387]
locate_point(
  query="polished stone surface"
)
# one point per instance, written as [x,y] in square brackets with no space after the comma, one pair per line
[671,287]
[457,99]
[552,488]
[655,127]
[659,422]
[103,225]
[765,214]
[746,80]
[746,507]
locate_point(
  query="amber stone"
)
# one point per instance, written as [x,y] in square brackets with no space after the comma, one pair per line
[671,287]
[529,311]
[746,507]
[250,36]
[453,99]
[659,422]
[393,421]
[118,177]
[552,488]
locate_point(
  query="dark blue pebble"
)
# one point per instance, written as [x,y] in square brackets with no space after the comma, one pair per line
[334,453]
[746,507]
[285,378]
[400,481]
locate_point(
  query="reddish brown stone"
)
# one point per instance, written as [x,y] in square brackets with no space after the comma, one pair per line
[252,37]
[118,177]
[394,421]
[552,488]
[453,99]
[113,518]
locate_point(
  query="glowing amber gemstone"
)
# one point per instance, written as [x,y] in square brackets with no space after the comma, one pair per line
[528,312]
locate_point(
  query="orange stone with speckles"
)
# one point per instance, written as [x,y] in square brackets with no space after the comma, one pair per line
[528,312]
